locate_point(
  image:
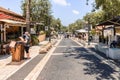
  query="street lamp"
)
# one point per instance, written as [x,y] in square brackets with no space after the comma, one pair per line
[88,26]
[87,23]
[49,27]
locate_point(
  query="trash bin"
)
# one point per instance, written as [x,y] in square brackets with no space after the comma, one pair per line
[17,52]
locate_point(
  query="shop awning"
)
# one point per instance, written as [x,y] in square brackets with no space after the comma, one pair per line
[10,17]
[82,31]
[12,22]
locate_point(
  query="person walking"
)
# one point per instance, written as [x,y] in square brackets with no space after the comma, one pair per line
[27,40]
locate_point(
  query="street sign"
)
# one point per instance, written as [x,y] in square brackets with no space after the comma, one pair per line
[46,28]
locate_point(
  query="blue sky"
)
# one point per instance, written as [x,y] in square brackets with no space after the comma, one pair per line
[67,10]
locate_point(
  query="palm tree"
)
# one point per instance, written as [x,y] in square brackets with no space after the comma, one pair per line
[28,15]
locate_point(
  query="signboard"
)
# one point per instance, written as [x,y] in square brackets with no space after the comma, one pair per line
[46,28]
[32,31]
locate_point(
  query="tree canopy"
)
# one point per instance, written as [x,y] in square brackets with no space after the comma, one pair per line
[94,17]
[102,11]
[78,24]
[111,8]
[40,11]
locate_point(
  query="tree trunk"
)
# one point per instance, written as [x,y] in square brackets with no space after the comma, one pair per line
[28,15]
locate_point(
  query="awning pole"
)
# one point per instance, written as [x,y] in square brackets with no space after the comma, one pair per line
[2,37]
[22,31]
[4,34]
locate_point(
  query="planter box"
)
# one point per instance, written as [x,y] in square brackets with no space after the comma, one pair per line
[114,53]
[41,37]
[102,48]
[45,48]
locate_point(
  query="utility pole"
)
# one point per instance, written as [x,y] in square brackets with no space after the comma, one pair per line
[49,28]
[28,15]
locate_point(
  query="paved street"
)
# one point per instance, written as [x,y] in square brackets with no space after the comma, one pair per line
[60,40]
[71,61]
[68,60]
[25,70]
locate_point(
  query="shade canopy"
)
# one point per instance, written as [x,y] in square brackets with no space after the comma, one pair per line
[12,22]
[113,21]
[82,31]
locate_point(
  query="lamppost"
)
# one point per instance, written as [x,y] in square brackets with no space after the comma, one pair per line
[49,28]
[88,31]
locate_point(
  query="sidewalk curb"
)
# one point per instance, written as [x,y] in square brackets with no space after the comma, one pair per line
[15,68]
[98,56]
[18,68]
[36,71]
[77,42]
[103,60]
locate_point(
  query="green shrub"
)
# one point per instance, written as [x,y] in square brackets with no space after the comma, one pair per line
[34,40]
[41,32]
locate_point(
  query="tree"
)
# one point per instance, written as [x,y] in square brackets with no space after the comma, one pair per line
[56,24]
[111,8]
[64,29]
[40,11]
[28,15]
[78,24]
[94,17]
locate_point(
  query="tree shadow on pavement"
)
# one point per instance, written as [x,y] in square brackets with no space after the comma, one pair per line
[95,66]
[70,51]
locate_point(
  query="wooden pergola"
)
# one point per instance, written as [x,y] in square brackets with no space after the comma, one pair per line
[112,23]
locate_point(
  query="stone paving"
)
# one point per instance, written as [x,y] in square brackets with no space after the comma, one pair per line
[82,65]
[7,70]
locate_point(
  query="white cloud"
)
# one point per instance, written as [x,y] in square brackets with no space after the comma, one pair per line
[62,2]
[75,12]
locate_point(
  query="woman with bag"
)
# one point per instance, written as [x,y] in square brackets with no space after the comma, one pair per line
[27,40]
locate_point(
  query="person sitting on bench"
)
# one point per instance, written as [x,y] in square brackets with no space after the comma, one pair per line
[113,44]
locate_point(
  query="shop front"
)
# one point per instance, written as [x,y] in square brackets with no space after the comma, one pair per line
[109,34]
[12,26]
